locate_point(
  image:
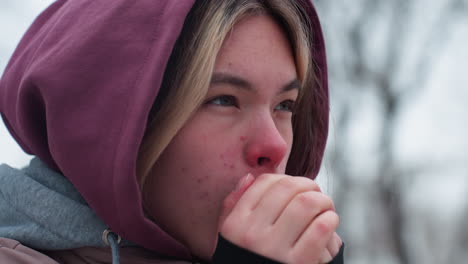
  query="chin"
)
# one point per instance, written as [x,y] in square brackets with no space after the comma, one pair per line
[203,253]
[203,249]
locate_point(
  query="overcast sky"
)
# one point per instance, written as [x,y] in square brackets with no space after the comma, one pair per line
[15,18]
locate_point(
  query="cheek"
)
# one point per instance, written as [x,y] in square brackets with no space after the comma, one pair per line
[190,181]
[228,159]
[208,165]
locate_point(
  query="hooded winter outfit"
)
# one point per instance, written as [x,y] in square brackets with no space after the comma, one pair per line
[78,88]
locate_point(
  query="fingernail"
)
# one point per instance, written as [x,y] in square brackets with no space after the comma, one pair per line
[243,181]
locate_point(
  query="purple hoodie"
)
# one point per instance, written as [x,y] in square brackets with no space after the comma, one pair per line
[78,90]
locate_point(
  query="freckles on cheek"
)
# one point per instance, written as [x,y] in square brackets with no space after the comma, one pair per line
[206,196]
[202,188]
[228,163]
[201,182]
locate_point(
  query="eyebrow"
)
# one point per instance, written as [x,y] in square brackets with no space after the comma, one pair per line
[239,82]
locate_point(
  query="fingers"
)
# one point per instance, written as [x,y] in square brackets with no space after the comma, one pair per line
[326,257]
[334,245]
[284,218]
[246,203]
[313,242]
[300,212]
[263,202]
[270,193]
[230,224]
[231,200]
[333,248]
[251,198]
[279,195]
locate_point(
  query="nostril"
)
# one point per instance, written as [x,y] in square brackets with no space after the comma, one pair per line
[262,161]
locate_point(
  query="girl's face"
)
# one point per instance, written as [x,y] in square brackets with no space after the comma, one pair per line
[244,126]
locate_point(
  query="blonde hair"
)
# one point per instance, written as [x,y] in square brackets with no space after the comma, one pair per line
[189,70]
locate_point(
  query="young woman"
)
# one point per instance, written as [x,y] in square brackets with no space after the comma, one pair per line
[170,131]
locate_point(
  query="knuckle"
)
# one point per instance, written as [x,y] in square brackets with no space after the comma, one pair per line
[308,183]
[327,223]
[326,202]
[287,183]
[335,220]
[298,183]
[306,199]
[314,199]
[332,219]
[323,227]
[314,186]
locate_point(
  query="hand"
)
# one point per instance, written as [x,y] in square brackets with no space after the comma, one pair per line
[281,217]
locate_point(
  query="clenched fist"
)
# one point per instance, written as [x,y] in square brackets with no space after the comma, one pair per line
[284,218]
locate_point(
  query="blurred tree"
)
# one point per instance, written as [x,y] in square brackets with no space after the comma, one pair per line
[386,49]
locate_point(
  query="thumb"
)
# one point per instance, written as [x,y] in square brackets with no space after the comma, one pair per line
[231,200]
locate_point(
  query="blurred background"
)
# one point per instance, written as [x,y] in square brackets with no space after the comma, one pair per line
[397,156]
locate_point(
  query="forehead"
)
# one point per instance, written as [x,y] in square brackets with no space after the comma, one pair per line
[257,45]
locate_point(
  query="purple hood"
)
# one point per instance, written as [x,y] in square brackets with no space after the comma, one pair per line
[78,90]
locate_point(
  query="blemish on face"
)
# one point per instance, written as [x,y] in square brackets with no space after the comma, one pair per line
[242,138]
[204,195]
[232,166]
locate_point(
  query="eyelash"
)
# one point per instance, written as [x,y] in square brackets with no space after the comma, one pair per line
[229,100]
[289,104]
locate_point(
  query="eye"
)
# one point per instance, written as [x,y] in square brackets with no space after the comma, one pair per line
[224,100]
[287,106]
